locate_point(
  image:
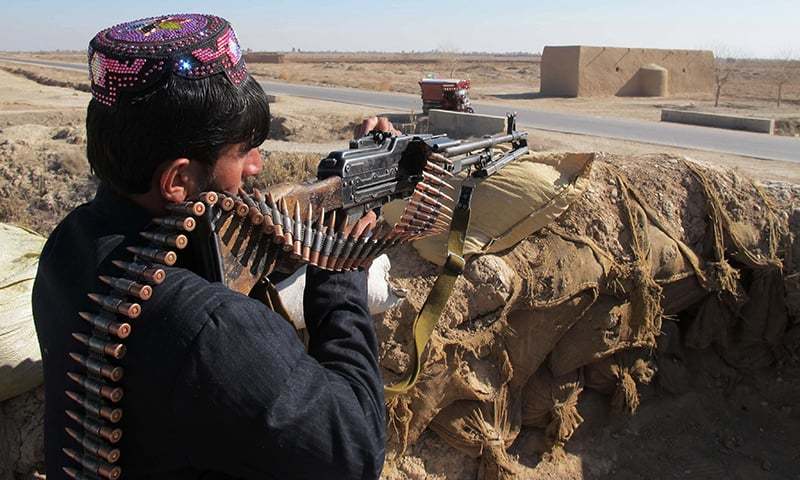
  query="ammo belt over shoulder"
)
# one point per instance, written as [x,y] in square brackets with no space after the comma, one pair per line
[240,239]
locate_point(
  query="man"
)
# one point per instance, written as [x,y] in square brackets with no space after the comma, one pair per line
[216,386]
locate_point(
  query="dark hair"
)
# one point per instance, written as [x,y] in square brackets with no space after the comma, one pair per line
[195,119]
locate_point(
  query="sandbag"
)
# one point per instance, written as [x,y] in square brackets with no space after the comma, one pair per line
[552,403]
[20,358]
[619,376]
[520,199]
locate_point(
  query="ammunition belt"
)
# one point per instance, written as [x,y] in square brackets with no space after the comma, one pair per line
[240,239]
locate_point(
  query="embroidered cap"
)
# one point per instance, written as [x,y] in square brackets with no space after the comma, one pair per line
[134,56]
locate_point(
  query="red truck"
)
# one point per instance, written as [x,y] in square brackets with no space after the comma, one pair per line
[445,94]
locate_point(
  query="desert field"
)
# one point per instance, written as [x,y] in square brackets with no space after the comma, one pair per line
[728,423]
[512,80]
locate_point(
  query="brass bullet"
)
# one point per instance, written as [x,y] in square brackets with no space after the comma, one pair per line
[105,470]
[338,246]
[187,208]
[432,167]
[178,241]
[256,218]
[107,325]
[138,290]
[359,245]
[436,181]
[109,454]
[109,393]
[419,196]
[276,219]
[95,427]
[209,198]
[297,248]
[226,202]
[319,239]
[288,227]
[166,257]
[96,344]
[308,235]
[187,224]
[144,272]
[268,226]
[113,415]
[330,238]
[97,367]
[239,207]
[427,189]
[116,305]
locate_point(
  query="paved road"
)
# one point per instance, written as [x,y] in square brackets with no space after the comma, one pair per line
[748,144]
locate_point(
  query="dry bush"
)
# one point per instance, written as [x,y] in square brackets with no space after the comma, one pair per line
[384,86]
[280,167]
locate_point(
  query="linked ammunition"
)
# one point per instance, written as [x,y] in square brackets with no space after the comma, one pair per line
[268,226]
[297,248]
[371,245]
[226,202]
[109,454]
[319,239]
[432,167]
[113,415]
[347,249]
[239,207]
[95,427]
[187,224]
[330,238]
[419,196]
[148,273]
[111,372]
[97,344]
[277,220]
[116,305]
[97,467]
[256,218]
[288,227]
[427,209]
[360,244]
[427,189]
[308,235]
[138,290]
[165,257]
[107,325]
[109,393]
[436,181]
[187,208]
[338,245]
[209,198]
[178,241]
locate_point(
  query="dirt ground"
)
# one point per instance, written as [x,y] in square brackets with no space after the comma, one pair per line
[508,80]
[728,424]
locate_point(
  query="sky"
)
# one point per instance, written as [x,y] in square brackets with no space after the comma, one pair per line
[765,29]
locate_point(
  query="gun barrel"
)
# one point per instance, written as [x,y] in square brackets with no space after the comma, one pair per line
[481,144]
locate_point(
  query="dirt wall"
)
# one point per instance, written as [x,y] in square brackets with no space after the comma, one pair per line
[581,71]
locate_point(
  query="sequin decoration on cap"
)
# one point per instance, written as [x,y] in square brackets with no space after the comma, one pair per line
[134,56]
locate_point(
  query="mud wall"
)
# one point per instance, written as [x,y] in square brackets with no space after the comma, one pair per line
[580,71]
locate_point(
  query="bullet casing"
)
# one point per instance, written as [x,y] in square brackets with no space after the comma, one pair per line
[107,325]
[96,427]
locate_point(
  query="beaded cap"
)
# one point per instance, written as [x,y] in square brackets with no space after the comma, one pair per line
[134,56]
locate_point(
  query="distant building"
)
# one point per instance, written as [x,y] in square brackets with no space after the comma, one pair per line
[264,57]
[581,71]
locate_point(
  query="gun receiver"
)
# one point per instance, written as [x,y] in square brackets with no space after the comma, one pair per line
[379,167]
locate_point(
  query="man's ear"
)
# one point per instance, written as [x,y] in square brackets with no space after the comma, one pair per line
[176,181]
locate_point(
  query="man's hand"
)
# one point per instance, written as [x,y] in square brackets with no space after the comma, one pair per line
[382,124]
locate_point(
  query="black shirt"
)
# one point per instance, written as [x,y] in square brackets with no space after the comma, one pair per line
[216,385]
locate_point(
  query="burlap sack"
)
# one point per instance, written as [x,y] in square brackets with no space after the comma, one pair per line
[20,358]
[552,403]
[618,376]
[522,198]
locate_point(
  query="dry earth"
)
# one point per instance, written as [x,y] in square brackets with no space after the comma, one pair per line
[727,425]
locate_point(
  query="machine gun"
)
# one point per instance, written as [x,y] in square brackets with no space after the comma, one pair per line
[240,238]
[241,232]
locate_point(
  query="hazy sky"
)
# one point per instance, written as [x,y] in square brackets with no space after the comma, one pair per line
[747,28]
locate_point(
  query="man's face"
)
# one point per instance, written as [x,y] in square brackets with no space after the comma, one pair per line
[234,165]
